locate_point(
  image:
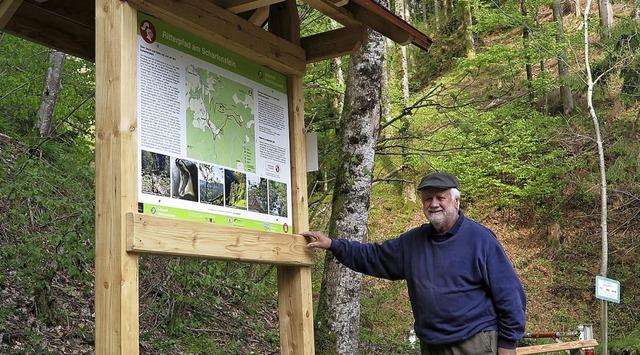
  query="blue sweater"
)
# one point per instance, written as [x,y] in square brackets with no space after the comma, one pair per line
[459,284]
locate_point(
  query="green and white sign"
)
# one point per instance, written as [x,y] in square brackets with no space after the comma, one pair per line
[213,132]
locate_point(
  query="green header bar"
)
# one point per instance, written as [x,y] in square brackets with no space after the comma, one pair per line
[195,46]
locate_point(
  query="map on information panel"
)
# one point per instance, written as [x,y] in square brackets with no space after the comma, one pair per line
[220,120]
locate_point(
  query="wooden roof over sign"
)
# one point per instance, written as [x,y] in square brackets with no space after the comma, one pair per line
[69,25]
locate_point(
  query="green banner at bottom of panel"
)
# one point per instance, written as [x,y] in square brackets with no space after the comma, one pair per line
[189,215]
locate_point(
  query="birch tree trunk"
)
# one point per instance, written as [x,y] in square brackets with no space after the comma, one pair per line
[604,234]
[526,34]
[606,16]
[339,73]
[436,13]
[563,69]
[50,93]
[338,315]
[468,23]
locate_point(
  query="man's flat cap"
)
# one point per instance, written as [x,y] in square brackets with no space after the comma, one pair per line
[439,181]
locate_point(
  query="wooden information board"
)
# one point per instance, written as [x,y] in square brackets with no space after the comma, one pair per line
[122,233]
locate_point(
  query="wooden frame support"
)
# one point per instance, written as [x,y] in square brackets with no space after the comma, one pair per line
[116,285]
[547,348]
[7,9]
[148,234]
[335,43]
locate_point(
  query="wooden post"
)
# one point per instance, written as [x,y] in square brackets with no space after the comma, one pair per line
[116,285]
[294,282]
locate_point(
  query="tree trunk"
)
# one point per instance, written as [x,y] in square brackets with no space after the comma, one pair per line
[436,13]
[604,233]
[408,187]
[526,33]
[563,68]
[339,73]
[606,16]
[468,23]
[445,10]
[337,319]
[50,93]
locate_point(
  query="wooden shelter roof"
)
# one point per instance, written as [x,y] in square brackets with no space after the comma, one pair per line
[69,25]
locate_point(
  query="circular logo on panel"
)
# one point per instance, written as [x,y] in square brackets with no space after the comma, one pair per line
[148,31]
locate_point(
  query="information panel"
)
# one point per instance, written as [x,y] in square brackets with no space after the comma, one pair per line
[213,133]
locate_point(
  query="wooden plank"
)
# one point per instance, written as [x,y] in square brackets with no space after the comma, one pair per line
[335,43]
[547,348]
[149,234]
[295,312]
[7,9]
[116,284]
[220,26]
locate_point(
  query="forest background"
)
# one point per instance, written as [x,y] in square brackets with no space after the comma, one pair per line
[502,100]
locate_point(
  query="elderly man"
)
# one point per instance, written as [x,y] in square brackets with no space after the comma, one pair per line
[465,294]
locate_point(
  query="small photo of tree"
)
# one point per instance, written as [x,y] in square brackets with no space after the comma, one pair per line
[277,198]
[211,180]
[257,193]
[235,189]
[155,173]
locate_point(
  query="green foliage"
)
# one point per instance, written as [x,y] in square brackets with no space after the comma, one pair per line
[507,154]
[203,305]
[490,20]
[622,58]
[380,311]
[629,345]
[22,70]
[48,215]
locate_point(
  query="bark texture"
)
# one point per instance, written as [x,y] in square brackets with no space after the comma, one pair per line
[337,320]
[50,93]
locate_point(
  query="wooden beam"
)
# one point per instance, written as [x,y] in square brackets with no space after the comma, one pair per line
[547,348]
[147,234]
[373,20]
[372,15]
[220,26]
[335,43]
[238,6]
[259,16]
[116,280]
[337,13]
[387,23]
[7,9]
